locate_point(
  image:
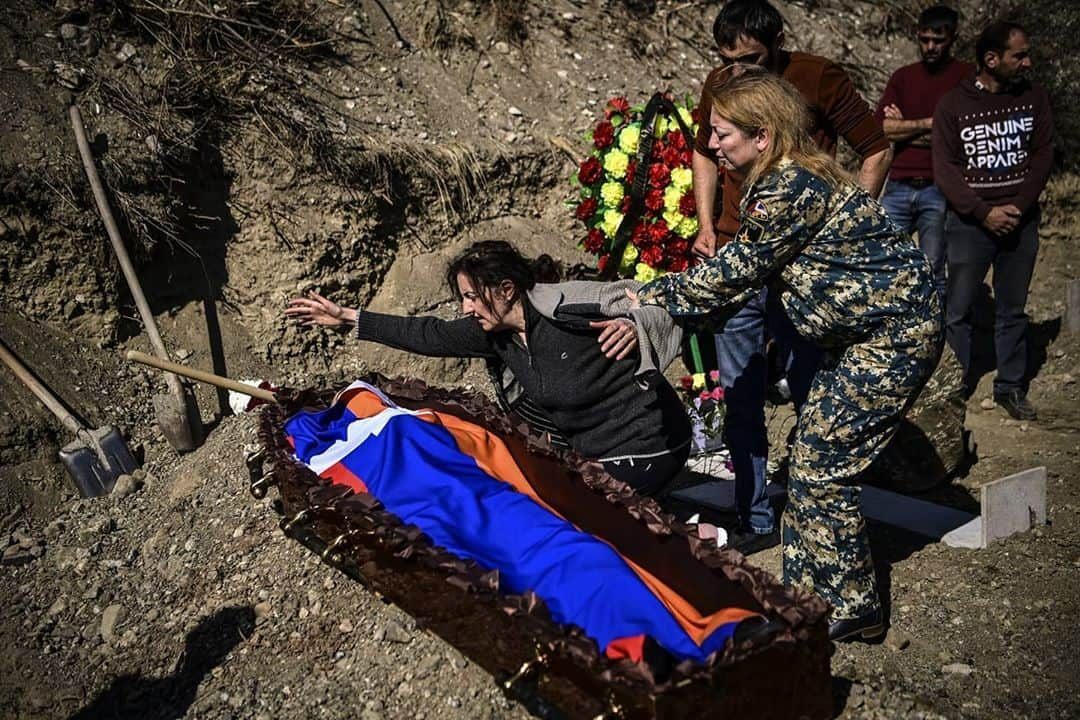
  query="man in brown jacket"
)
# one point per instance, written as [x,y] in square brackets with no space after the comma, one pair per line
[752,32]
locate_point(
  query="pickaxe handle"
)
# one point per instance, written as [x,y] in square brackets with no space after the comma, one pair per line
[200,375]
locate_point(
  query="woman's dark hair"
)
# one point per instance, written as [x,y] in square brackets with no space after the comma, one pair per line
[995,39]
[755,19]
[487,264]
[939,18]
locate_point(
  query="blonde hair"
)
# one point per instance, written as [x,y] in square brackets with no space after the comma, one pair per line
[752,98]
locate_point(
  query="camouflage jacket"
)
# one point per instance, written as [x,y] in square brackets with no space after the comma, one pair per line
[839,265]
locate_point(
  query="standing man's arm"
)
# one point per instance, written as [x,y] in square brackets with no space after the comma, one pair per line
[851,116]
[899,129]
[705,182]
[873,170]
[949,162]
[1042,155]
[891,116]
[706,177]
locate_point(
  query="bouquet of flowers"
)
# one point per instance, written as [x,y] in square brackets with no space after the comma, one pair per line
[660,239]
[705,405]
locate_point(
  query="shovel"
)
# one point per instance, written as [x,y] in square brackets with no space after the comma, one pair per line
[177,413]
[95,458]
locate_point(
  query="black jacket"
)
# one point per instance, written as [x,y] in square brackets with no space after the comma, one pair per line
[596,403]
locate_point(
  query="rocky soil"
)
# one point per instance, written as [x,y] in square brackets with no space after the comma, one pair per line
[353,155]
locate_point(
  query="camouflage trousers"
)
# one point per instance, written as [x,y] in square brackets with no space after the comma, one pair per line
[856,402]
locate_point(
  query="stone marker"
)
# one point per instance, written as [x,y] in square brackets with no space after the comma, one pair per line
[1013,504]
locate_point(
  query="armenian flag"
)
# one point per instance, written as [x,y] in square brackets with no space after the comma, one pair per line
[461,486]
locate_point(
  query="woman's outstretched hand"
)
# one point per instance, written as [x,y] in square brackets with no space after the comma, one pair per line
[317,310]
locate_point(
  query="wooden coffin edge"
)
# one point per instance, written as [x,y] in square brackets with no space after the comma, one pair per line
[781,674]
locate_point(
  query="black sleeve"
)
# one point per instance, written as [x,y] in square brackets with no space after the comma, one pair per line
[425,335]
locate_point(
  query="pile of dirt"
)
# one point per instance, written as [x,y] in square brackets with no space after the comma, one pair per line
[255,150]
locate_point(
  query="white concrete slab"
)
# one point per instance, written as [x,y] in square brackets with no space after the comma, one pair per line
[1013,504]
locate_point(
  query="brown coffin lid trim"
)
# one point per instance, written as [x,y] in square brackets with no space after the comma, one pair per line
[803,613]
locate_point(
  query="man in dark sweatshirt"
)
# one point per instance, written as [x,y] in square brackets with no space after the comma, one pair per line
[993,140]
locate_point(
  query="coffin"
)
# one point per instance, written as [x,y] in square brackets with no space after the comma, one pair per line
[778,670]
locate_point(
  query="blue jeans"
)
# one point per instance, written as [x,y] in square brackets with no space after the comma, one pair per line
[740,358]
[921,209]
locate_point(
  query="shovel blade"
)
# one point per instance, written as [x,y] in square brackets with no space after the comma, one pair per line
[118,459]
[180,422]
[83,465]
[95,470]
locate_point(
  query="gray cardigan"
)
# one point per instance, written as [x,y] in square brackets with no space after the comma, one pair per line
[659,338]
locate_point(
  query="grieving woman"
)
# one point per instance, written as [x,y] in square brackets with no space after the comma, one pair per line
[562,355]
[851,283]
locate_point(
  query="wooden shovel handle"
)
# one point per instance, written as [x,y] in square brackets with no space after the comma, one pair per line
[200,375]
[47,398]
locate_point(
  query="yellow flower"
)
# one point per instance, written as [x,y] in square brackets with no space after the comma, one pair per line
[615,163]
[628,138]
[673,218]
[684,113]
[687,228]
[612,193]
[628,257]
[610,223]
[661,126]
[699,381]
[682,178]
[672,196]
[644,273]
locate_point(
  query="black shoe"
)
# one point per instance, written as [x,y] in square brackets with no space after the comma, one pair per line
[866,627]
[1015,403]
[748,542]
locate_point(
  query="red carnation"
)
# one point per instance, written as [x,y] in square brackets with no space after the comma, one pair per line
[652,255]
[657,149]
[624,204]
[678,264]
[687,206]
[603,135]
[586,209]
[639,234]
[590,171]
[617,105]
[695,115]
[659,175]
[594,241]
[678,247]
[687,382]
[672,156]
[676,139]
[659,231]
[654,200]
[602,263]
[631,170]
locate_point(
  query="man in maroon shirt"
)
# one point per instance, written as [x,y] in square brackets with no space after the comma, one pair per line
[906,113]
[993,142]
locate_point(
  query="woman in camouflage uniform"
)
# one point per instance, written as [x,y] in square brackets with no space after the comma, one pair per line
[852,283]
